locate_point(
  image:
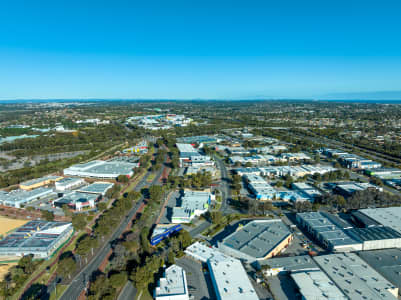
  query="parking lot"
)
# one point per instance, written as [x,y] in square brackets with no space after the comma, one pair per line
[166,217]
[199,284]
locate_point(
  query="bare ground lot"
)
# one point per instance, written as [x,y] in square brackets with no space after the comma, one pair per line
[8,224]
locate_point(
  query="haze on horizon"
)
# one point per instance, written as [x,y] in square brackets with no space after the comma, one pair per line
[205,50]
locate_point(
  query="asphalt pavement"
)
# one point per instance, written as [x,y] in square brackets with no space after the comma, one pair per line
[224,187]
[128,292]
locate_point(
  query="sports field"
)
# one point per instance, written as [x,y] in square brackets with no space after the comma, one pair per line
[8,224]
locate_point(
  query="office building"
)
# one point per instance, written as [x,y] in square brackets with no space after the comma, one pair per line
[173,285]
[69,183]
[77,200]
[192,204]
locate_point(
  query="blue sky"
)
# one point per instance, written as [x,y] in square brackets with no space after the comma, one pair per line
[198,49]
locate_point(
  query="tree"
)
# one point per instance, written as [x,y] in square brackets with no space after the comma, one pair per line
[26,264]
[122,179]
[78,222]
[66,210]
[144,239]
[48,215]
[66,266]
[102,206]
[170,258]
[155,193]
[85,244]
[118,279]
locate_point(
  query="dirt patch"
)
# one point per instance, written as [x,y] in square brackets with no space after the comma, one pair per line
[8,224]
[4,269]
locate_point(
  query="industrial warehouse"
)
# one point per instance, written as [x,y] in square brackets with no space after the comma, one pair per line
[39,238]
[355,278]
[18,198]
[337,235]
[39,182]
[257,240]
[101,169]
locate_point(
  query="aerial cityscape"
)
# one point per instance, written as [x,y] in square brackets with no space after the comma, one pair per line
[220,150]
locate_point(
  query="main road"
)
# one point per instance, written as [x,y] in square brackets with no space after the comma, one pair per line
[81,280]
[224,186]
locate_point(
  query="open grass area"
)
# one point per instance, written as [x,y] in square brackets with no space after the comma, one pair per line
[9,224]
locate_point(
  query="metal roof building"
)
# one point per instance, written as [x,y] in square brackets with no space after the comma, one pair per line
[314,285]
[227,286]
[203,253]
[387,262]
[76,200]
[101,169]
[193,203]
[222,267]
[173,286]
[38,182]
[355,278]
[328,230]
[17,198]
[257,240]
[40,238]
[287,264]
[379,237]
[99,188]
[389,216]
[69,183]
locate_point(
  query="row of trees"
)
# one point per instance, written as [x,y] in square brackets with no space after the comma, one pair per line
[198,180]
[18,275]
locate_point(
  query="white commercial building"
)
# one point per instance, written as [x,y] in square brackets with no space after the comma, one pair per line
[193,204]
[17,198]
[230,280]
[101,169]
[173,286]
[69,183]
